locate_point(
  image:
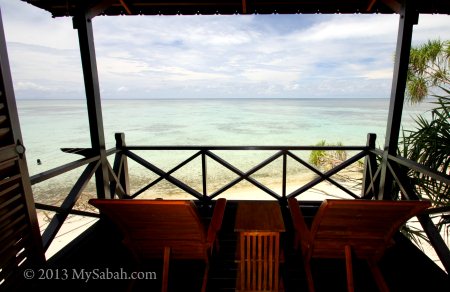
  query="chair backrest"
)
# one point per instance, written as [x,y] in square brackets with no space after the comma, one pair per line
[259,261]
[149,226]
[303,234]
[367,226]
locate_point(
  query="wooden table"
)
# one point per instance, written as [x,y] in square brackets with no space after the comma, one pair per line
[259,224]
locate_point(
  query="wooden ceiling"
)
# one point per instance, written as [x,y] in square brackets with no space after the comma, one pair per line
[60,8]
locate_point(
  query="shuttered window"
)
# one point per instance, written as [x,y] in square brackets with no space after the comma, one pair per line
[20,242]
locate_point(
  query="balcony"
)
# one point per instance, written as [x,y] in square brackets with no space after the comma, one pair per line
[94,247]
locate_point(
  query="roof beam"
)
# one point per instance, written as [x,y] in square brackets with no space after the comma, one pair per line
[370,5]
[393,4]
[244,6]
[126,7]
[99,8]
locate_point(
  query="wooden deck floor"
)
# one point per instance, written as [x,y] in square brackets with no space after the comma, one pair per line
[404,267]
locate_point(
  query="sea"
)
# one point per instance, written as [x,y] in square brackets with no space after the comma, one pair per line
[49,125]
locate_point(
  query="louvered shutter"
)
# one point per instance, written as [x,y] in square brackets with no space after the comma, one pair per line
[20,240]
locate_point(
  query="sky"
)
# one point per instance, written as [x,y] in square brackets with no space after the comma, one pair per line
[247,56]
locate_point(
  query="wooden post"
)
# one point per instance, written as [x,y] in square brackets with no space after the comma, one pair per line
[283,191]
[370,167]
[121,165]
[87,50]
[408,18]
[165,276]
[204,177]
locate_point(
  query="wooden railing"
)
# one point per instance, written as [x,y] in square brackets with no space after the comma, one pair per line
[120,186]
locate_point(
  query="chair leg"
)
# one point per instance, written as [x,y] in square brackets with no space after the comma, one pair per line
[165,276]
[205,277]
[217,245]
[379,279]
[348,265]
[137,268]
[309,278]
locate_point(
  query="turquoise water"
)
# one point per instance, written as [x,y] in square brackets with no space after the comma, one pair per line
[48,125]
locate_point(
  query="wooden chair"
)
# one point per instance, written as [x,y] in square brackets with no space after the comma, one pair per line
[342,228]
[258,261]
[164,229]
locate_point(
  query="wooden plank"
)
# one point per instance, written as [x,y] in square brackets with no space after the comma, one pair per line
[5,225]
[349,268]
[242,262]
[259,216]
[10,180]
[245,147]
[253,261]
[165,276]
[8,190]
[14,241]
[4,132]
[260,261]
[13,198]
[43,176]
[248,262]
[266,262]
[3,119]
[12,212]
[8,153]
[271,265]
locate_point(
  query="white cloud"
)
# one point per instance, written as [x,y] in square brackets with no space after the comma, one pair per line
[350,27]
[378,74]
[32,86]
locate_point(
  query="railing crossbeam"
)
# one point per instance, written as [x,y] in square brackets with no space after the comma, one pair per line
[61,210]
[116,186]
[397,179]
[245,175]
[68,203]
[442,177]
[321,174]
[61,169]
[327,175]
[163,174]
[160,178]
[372,185]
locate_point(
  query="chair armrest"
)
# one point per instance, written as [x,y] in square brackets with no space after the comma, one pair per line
[216,220]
